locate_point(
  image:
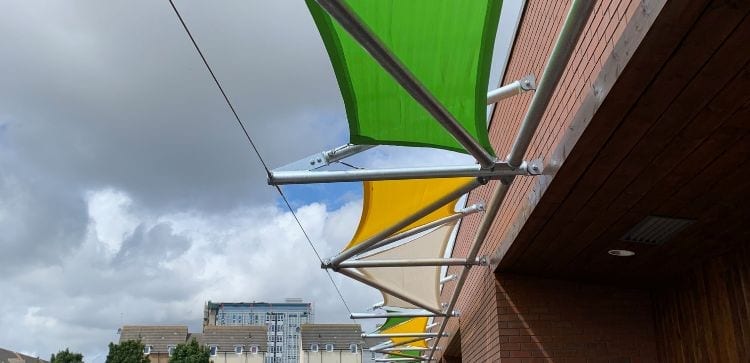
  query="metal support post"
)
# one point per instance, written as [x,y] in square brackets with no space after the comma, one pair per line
[574,23]
[348,20]
[553,71]
[426,227]
[391,344]
[419,314]
[401,357]
[447,279]
[345,255]
[408,263]
[522,85]
[412,348]
[403,335]
[500,169]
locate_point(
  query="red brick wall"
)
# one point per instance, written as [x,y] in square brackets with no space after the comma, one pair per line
[480,329]
[541,320]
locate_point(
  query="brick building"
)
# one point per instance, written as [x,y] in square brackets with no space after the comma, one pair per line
[239,344]
[331,343]
[645,146]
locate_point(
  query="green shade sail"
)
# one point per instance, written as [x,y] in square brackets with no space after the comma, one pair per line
[412,353]
[446,44]
[391,322]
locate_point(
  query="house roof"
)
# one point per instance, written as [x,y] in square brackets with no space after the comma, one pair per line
[226,337]
[159,337]
[340,335]
[8,356]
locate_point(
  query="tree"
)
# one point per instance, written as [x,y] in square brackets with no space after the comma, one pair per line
[190,353]
[66,356]
[129,351]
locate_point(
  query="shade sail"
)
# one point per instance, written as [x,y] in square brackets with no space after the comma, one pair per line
[446,44]
[411,353]
[387,202]
[413,325]
[391,322]
[421,283]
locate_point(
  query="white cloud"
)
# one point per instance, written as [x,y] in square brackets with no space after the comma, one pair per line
[161,269]
[111,219]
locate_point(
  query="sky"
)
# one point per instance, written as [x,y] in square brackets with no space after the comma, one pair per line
[128,194]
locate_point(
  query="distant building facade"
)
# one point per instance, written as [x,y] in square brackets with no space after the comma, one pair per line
[9,356]
[282,321]
[227,344]
[331,343]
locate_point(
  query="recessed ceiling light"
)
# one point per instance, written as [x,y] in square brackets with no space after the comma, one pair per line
[621,253]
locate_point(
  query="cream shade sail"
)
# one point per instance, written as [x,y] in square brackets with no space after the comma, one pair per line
[419,283]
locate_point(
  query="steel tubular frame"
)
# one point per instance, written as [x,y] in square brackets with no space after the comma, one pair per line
[298,172]
[391,344]
[409,263]
[403,335]
[400,358]
[348,20]
[397,349]
[345,255]
[363,279]
[396,315]
[500,169]
[512,89]
[575,21]
[474,208]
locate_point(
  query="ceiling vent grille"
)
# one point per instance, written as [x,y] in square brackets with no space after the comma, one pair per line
[654,230]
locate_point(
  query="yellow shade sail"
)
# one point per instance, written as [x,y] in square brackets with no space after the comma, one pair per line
[413,325]
[386,202]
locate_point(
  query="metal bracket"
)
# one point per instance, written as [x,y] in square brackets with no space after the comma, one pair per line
[324,158]
[535,167]
[448,279]
[483,261]
[528,82]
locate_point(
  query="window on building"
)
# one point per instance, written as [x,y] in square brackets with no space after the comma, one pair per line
[254,349]
[353,348]
[238,349]
[313,347]
[170,349]
[213,350]
[329,347]
[147,349]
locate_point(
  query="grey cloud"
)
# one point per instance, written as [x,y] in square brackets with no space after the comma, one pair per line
[40,223]
[150,246]
[112,94]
